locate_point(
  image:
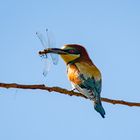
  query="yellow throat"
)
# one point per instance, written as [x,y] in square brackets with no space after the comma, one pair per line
[69,57]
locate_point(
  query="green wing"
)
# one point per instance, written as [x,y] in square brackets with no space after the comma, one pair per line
[89,83]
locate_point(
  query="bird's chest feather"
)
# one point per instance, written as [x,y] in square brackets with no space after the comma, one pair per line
[73,74]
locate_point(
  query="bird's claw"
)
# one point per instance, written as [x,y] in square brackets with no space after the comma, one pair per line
[73,89]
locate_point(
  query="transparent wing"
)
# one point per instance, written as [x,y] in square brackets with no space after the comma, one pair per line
[45,59]
[51,44]
[42,40]
[46,65]
[54,58]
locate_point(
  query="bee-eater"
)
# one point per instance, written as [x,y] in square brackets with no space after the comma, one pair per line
[82,73]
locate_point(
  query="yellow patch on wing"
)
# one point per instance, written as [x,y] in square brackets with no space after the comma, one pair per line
[89,70]
[73,74]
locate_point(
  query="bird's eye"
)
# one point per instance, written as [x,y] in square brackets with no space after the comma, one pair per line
[71,51]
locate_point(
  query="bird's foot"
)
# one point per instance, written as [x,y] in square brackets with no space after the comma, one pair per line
[73,89]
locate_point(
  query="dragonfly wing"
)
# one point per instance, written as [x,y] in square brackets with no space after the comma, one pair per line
[42,40]
[51,44]
[54,58]
[44,56]
[46,68]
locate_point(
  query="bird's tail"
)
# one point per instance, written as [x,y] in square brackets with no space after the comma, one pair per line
[98,107]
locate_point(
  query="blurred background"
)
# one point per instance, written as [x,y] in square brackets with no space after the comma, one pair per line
[110,31]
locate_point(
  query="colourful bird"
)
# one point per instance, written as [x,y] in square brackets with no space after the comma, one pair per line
[82,73]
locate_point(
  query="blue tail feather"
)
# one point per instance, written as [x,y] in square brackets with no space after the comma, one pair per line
[99,108]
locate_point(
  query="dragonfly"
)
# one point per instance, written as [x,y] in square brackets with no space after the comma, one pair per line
[46,56]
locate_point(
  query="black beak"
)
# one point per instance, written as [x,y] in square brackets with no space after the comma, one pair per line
[53,50]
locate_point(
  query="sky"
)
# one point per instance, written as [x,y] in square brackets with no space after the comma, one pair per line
[110,31]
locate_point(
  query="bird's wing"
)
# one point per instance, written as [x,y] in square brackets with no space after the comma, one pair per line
[91,84]
[90,77]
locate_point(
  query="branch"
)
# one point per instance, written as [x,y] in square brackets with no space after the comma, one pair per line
[64,91]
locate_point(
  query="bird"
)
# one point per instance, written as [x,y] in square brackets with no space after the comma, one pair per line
[82,73]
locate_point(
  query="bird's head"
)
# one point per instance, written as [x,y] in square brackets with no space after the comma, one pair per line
[71,53]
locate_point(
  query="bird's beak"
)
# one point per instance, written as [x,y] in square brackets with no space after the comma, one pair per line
[53,50]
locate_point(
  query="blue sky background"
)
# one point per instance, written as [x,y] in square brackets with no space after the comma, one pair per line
[109,29]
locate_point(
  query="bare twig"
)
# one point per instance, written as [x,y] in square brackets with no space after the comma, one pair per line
[64,91]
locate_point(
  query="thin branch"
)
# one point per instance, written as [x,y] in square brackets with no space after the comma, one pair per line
[64,91]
